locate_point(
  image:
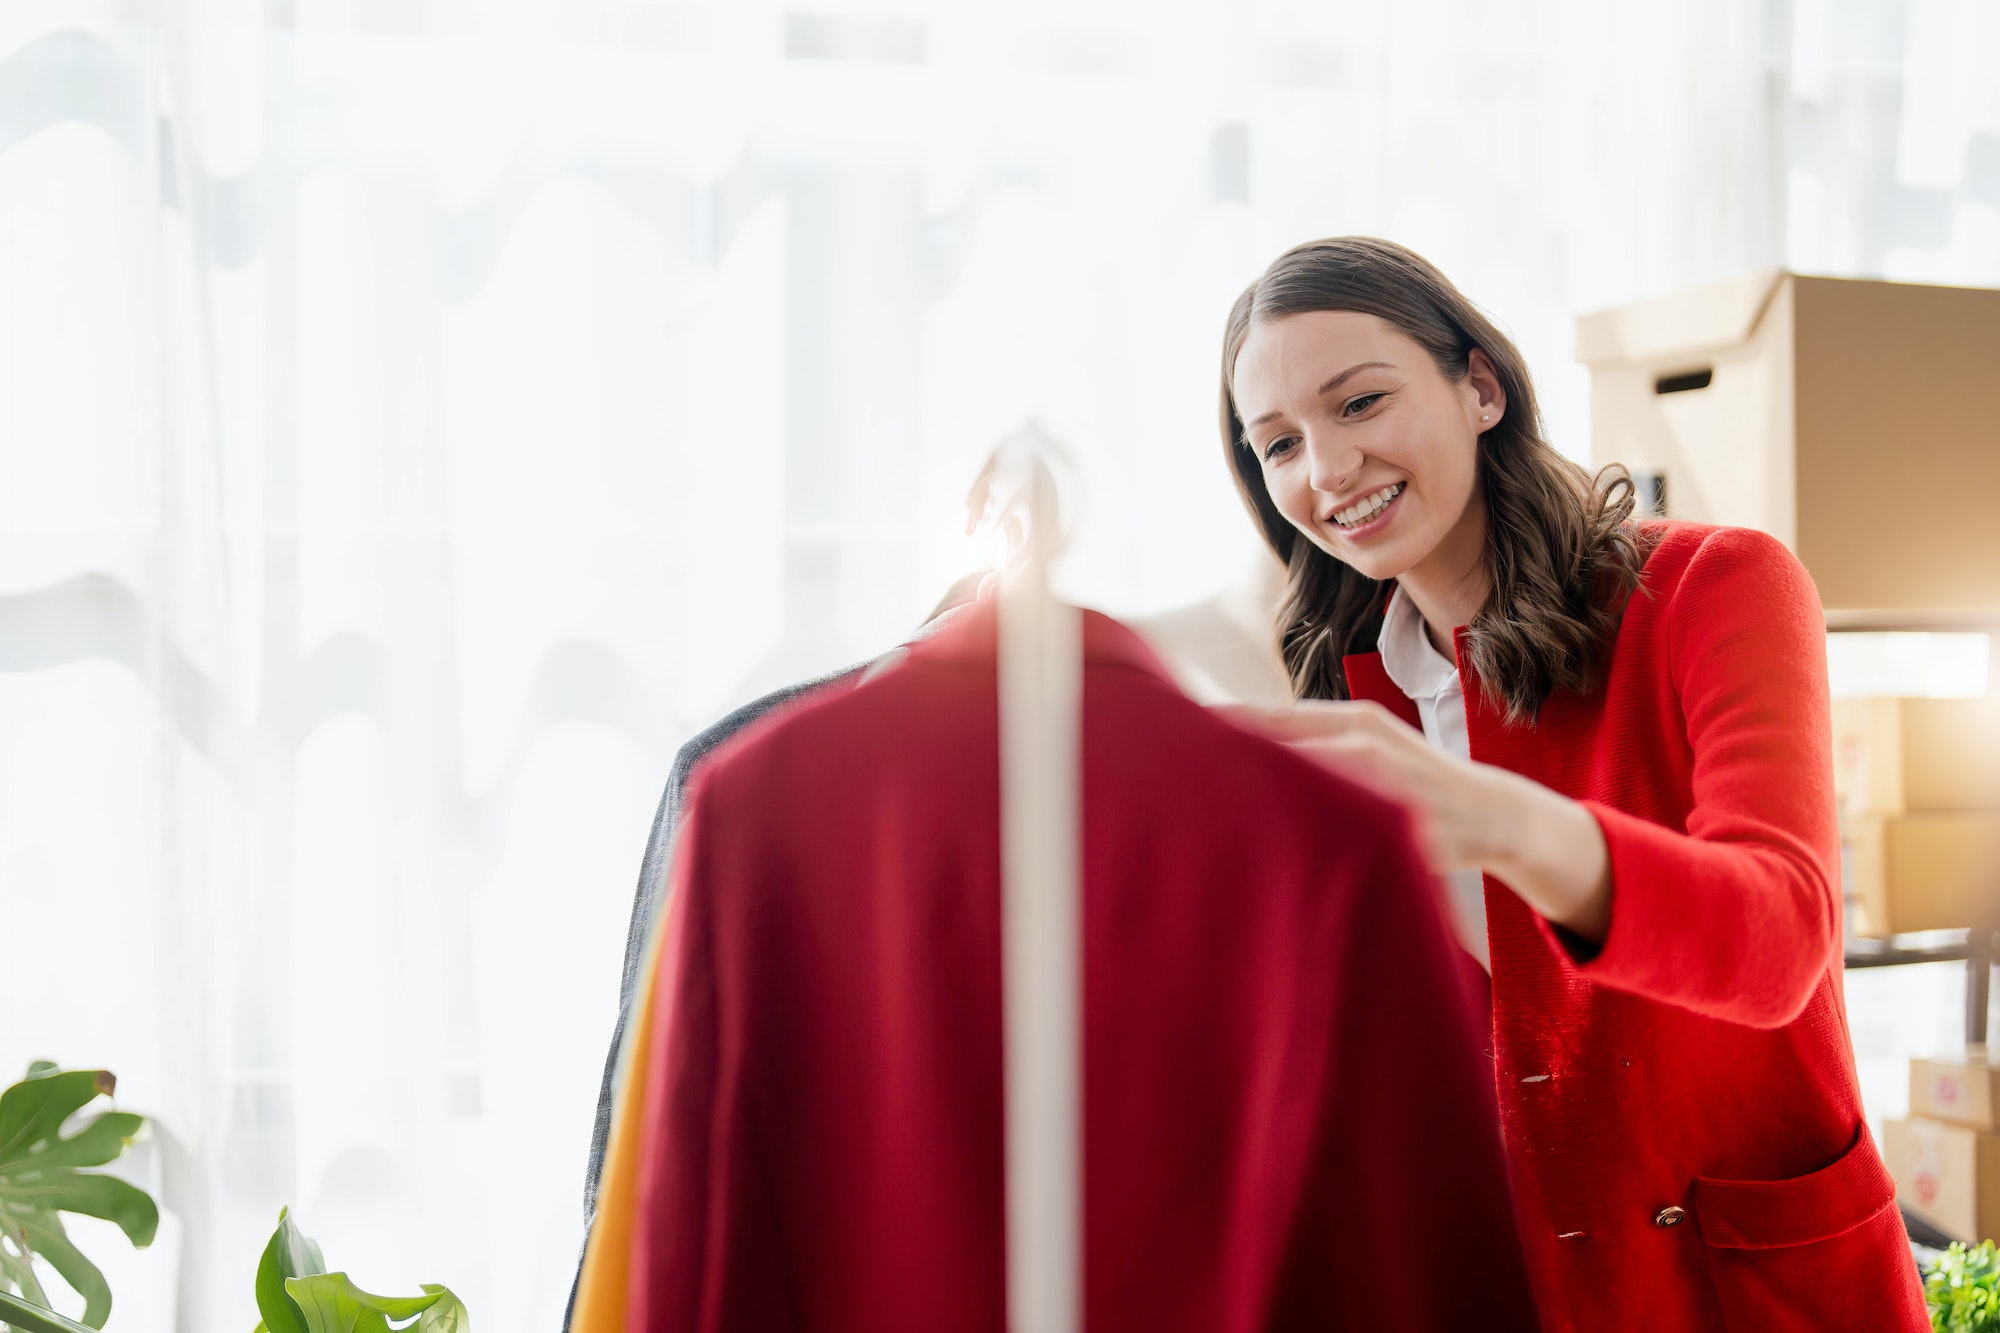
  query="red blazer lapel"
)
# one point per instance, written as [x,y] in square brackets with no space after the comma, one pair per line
[1367,680]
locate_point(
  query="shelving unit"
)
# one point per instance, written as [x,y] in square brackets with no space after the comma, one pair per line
[1974,948]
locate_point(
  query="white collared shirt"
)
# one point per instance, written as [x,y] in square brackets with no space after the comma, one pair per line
[1431,681]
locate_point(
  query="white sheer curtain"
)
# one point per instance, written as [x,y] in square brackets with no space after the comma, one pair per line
[417,416]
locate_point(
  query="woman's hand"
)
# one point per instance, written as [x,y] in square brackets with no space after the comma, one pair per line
[1544,846]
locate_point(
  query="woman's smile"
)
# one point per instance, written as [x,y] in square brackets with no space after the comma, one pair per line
[1369,515]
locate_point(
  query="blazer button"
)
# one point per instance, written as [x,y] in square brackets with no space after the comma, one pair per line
[1670,1217]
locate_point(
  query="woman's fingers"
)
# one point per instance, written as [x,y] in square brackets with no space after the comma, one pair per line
[1310,718]
[1253,717]
[1366,743]
[1346,737]
[1362,742]
[1358,757]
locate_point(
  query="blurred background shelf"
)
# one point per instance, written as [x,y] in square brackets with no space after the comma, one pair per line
[1974,948]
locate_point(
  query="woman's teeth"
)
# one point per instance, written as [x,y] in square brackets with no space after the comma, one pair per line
[1366,508]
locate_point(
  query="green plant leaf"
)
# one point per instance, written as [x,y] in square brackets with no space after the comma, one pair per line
[289,1255]
[24,1316]
[94,1195]
[96,1143]
[1963,1290]
[333,1304]
[449,1315]
[35,1108]
[47,1238]
[19,1272]
[40,1181]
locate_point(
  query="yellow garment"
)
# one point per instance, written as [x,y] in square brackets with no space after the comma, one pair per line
[607,1259]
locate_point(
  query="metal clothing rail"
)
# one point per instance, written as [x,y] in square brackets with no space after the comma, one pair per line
[1040,670]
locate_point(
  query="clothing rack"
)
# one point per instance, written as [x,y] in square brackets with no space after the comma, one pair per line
[1040,666]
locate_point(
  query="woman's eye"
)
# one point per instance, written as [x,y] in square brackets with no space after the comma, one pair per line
[1280,446]
[1356,406]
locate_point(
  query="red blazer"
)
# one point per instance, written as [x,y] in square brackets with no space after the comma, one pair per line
[1681,1108]
[1287,1123]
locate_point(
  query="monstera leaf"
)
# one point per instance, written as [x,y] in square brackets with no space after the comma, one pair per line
[27,1317]
[41,1178]
[295,1294]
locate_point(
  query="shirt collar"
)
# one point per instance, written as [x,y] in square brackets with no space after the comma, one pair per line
[1418,669]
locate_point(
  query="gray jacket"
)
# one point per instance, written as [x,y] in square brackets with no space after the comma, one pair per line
[646,907]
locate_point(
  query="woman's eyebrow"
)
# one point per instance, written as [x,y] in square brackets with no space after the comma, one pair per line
[1342,377]
[1327,387]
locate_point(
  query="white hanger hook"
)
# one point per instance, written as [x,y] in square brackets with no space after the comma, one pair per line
[1019,495]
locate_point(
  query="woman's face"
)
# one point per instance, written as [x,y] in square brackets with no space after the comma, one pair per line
[1367,448]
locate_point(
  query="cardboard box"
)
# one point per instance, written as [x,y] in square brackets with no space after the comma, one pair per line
[1932,871]
[1946,1174]
[1852,420]
[1897,755]
[1961,1089]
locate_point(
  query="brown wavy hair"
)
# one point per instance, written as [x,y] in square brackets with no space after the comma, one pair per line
[1562,552]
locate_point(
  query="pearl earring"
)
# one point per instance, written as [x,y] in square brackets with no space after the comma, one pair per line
[1484,417]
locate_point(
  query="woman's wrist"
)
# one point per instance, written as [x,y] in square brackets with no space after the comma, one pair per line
[1551,851]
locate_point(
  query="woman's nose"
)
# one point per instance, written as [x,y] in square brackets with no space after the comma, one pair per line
[1334,463]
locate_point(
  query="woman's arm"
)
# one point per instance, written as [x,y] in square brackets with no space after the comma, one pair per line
[1545,847]
[1552,852]
[1738,917]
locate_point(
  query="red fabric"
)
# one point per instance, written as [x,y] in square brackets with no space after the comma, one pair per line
[1700,1059]
[1286,1125]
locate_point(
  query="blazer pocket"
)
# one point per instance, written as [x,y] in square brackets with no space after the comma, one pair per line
[1818,1251]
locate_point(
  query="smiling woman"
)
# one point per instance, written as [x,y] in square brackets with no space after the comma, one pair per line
[1408,432]
[1614,739]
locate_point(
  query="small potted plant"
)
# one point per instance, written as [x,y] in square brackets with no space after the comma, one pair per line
[44,1174]
[295,1294]
[1963,1289]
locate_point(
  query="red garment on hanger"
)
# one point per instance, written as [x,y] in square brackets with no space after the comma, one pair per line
[1287,1120]
[1682,1106]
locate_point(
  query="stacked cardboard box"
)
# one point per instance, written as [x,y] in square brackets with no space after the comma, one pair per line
[1806,406]
[1946,1157]
[1918,781]
[1759,402]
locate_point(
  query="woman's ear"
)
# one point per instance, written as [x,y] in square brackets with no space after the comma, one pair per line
[1490,397]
